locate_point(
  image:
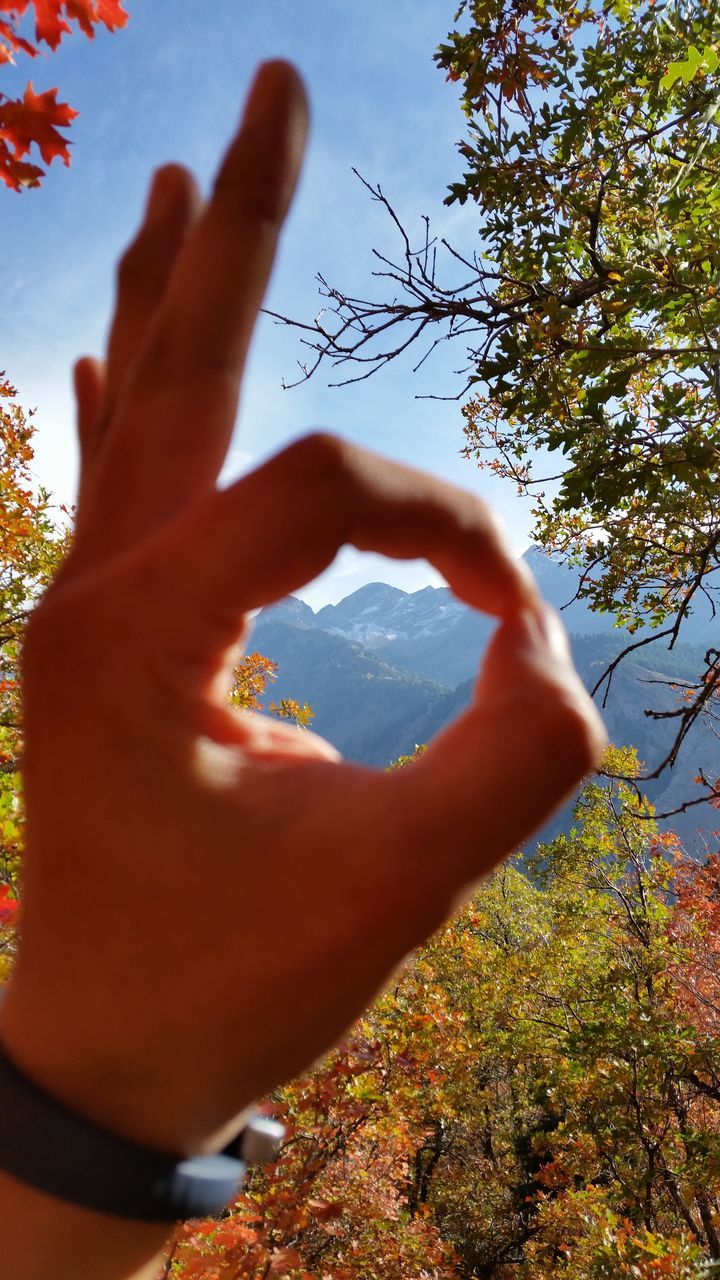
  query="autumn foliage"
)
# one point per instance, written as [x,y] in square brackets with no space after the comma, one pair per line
[36,119]
[250,678]
[586,296]
[535,1097]
[31,547]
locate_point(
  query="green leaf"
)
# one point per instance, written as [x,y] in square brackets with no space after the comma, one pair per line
[687,70]
[674,72]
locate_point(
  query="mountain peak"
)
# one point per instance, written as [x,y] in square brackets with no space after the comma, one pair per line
[537,559]
[365,601]
[375,591]
[291,610]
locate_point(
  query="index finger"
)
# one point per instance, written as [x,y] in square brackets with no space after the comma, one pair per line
[277,528]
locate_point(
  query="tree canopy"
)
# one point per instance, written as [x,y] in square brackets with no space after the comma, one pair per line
[535,1095]
[31,548]
[589,305]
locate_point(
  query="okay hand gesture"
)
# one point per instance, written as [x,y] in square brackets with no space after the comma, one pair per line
[211,897]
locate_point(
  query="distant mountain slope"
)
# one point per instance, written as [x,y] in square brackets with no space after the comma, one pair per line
[431,633]
[370,710]
[428,632]
[384,670]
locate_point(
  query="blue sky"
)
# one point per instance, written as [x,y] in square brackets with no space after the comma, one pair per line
[169,87]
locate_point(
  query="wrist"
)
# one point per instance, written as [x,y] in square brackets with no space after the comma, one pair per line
[82,1071]
[79,1057]
[53,1149]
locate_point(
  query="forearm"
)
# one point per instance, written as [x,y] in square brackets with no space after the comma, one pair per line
[43,1237]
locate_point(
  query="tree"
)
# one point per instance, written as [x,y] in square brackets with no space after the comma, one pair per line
[535,1095]
[31,548]
[590,307]
[250,678]
[35,120]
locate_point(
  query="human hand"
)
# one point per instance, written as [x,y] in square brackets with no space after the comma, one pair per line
[211,897]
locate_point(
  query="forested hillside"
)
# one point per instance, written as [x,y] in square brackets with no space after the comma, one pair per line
[537,1095]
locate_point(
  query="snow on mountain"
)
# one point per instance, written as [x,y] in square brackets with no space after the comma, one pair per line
[377,614]
[431,633]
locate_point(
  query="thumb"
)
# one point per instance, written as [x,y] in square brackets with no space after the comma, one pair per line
[490,779]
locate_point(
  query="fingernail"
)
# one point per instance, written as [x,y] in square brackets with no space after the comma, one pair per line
[528,624]
[543,629]
[528,585]
[161,197]
[272,87]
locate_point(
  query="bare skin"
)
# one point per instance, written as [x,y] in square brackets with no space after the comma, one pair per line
[212,898]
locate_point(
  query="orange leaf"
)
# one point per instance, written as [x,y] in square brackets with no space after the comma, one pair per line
[283,1260]
[87,12]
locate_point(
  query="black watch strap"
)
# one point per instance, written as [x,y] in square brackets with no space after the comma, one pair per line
[47,1146]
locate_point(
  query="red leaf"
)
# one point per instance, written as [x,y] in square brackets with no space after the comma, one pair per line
[111,14]
[53,17]
[10,42]
[15,7]
[50,25]
[34,120]
[15,173]
[9,906]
